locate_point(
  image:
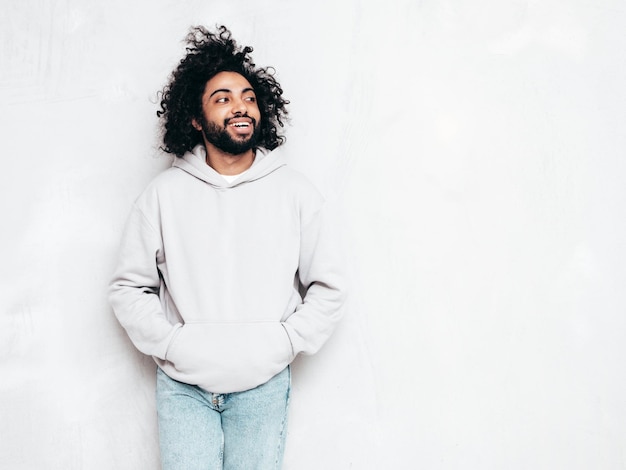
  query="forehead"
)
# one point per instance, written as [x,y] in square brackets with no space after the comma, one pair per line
[231,81]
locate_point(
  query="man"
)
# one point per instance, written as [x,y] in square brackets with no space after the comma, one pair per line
[228,267]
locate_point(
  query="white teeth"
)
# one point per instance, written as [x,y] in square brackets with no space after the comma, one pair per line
[240,124]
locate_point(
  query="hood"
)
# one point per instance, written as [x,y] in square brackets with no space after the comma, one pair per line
[194,163]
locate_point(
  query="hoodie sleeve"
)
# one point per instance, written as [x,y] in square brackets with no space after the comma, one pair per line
[134,290]
[321,273]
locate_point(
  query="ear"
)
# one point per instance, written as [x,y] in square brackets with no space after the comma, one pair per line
[196,124]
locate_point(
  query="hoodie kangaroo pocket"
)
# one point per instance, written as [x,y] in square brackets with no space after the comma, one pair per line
[228,357]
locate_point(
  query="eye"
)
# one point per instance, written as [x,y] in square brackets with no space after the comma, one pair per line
[222,100]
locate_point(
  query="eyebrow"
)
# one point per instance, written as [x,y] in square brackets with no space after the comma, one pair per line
[226,90]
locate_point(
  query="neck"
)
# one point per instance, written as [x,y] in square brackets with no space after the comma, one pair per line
[227,163]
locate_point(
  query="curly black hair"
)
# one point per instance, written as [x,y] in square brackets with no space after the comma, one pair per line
[207,55]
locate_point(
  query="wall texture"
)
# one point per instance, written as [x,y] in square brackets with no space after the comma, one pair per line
[478,148]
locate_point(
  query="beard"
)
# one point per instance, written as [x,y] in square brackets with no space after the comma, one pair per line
[220,137]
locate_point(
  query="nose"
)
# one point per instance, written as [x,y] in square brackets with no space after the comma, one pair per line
[239,106]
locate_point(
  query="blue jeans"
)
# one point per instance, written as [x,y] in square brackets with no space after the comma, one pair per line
[199,430]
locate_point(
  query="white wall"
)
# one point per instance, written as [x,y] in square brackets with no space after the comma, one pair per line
[479,149]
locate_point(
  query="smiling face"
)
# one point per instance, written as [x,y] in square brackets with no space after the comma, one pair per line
[230,114]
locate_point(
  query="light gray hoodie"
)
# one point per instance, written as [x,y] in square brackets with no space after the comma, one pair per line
[211,273]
